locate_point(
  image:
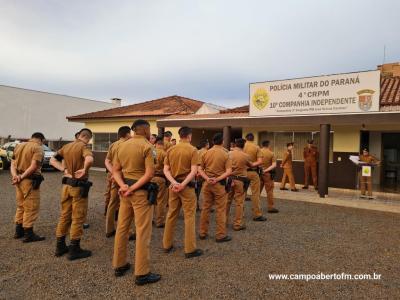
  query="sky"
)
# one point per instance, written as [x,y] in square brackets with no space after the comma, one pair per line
[203,49]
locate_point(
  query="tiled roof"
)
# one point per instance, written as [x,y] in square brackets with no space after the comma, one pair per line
[390,91]
[172,105]
[241,109]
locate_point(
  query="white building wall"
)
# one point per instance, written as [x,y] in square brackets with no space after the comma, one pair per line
[23,112]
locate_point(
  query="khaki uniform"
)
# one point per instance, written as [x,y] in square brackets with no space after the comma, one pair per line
[107,193]
[200,179]
[162,196]
[73,206]
[113,204]
[180,159]
[215,162]
[268,160]
[28,199]
[254,153]
[366,181]
[287,165]
[134,156]
[167,145]
[310,156]
[240,162]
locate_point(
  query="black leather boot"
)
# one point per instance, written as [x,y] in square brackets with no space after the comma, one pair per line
[30,236]
[61,247]
[75,251]
[19,231]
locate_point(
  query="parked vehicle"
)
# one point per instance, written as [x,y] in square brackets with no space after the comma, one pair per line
[7,151]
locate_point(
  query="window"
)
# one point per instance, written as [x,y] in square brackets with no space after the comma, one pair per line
[278,141]
[102,141]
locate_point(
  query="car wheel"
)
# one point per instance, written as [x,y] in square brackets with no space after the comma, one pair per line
[6,163]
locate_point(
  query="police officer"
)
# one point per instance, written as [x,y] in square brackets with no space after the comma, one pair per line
[240,163]
[366,181]
[287,165]
[153,139]
[167,140]
[133,169]
[215,167]
[310,155]
[251,149]
[203,147]
[160,179]
[124,133]
[26,177]
[180,168]
[74,160]
[268,169]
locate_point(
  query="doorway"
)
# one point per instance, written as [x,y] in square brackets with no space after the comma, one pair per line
[391,162]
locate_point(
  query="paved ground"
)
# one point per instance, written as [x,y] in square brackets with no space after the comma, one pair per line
[303,238]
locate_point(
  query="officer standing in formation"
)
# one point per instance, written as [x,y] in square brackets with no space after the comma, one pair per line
[124,134]
[255,155]
[133,170]
[26,177]
[310,155]
[167,140]
[240,163]
[215,167]
[268,171]
[180,168]
[74,160]
[161,181]
[287,165]
[203,147]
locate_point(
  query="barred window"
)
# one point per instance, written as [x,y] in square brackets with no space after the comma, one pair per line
[102,141]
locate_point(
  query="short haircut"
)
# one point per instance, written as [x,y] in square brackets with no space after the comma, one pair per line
[77,135]
[265,143]
[289,144]
[167,134]
[310,142]
[86,132]
[218,138]
[123,131]
[154,135]
[38,135]
[240,143]
[139,123]
[173,140]
[203,143]
[160,140]
[365,149]
[184,131]
[250,137]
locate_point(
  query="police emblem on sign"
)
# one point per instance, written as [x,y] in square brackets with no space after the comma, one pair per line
[365,99]
[260,98]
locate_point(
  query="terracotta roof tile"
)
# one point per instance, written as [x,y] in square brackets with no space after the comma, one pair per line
[172,105]
[390,91]
[240,109]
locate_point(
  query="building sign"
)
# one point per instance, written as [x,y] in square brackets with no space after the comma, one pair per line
[331,94]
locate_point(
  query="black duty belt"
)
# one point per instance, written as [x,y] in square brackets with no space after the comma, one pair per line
[150,187]
[73,182]
[160,175]
[253,169]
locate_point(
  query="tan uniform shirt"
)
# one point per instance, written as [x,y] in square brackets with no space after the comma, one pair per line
[310,154]
[268,158]
[181,158]
[287,161]
[167,145]
[112,150]
[24,154]
[240,162]
[252,150]
[215,161]
[74,156]
[160,157]
[368,159]
[134,156]
[202,151]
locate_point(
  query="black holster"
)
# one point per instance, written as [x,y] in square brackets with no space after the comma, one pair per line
[273,174]
[245,180]
[228,184]
[36,181]
[150,187]
[198,184]
[84,185]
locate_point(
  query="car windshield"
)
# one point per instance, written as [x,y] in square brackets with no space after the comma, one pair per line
[45,148]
